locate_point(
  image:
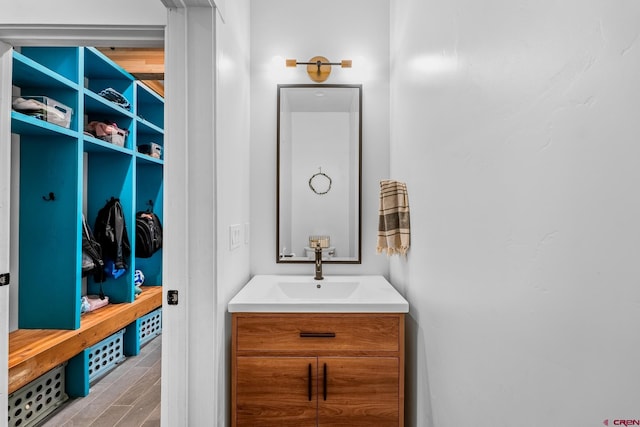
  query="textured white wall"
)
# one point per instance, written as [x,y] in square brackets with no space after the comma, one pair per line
[232,182]
[515,125]
[358,30]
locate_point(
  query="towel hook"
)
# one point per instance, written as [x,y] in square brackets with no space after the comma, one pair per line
[50,198]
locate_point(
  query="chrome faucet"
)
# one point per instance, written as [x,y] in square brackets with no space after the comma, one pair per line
[318,262]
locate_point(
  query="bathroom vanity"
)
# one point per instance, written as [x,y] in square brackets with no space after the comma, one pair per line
[318,353]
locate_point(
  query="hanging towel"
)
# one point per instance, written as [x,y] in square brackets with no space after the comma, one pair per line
[394,234]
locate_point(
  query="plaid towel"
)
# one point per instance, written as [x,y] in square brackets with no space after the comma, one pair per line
[394,234]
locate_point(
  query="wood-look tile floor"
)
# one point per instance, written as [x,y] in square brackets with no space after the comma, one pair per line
[128,396]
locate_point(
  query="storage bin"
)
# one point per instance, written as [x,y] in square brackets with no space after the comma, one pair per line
[109,132]
[39,398]
[152,149]
[150,326]
[44,108]
[104,356]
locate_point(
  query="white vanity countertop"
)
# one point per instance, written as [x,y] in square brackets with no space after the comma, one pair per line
[304,294]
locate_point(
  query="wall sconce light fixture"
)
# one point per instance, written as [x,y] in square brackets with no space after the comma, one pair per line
[319,67]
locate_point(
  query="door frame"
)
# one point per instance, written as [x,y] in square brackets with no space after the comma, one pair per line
[63,35]
[5,215]
[189,374]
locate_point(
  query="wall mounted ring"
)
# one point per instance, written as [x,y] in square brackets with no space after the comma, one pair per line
[320,183]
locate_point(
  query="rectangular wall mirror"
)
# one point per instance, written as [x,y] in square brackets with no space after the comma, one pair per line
[319,173]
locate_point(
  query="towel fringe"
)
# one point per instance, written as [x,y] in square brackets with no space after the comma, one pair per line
[393,251]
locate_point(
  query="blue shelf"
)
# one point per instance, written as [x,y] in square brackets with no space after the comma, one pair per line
[82,172]
[22,124]
[28,73]
[146,159]
[95,145]
[97,65]
[65,173]
[63,61]
[101,73]
[148,127]
[94,103]
[150,106]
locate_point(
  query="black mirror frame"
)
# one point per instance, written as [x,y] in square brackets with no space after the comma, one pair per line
[358,259]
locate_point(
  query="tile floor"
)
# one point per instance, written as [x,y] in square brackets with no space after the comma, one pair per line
[128,396]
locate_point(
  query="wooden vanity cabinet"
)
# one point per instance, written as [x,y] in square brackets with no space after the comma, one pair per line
[317,369]
[275,391]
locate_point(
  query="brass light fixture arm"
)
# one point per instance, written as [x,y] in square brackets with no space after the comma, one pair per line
[319,67]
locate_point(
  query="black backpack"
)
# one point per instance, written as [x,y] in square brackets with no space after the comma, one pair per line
[148,234]
[111,233]
[92,263]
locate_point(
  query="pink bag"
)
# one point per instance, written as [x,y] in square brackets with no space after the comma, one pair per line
[109,132]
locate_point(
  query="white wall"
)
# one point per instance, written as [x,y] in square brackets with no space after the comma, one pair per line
[321,141]
[83,12]
[121,23]
[335,29]
[232,183]
[515,127]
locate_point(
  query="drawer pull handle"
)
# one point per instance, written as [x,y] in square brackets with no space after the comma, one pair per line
[324,383]
[317,334]
[310,387]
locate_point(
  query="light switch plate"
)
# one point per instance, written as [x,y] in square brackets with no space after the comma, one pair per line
[234,236]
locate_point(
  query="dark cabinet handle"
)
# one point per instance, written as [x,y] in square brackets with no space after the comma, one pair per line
[310,384]
[317,334]
[324,382]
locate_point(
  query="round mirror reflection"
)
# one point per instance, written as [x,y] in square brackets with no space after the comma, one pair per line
[320,183]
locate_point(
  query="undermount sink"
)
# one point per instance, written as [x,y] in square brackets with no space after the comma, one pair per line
[304,294]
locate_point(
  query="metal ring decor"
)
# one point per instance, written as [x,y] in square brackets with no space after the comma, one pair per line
[316,183]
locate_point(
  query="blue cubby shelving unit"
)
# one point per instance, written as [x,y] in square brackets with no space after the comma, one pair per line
[65,173]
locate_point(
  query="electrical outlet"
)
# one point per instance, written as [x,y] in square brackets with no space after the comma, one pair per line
[234,236]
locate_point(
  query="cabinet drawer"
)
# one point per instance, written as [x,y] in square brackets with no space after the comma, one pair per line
[308,333]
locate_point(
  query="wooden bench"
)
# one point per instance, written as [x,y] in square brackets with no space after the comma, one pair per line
[33,352]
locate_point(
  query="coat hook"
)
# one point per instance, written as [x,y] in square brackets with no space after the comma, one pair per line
[150,206]
[50,198]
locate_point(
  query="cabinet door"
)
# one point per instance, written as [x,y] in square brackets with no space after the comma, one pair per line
[358,391]
[276,391]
